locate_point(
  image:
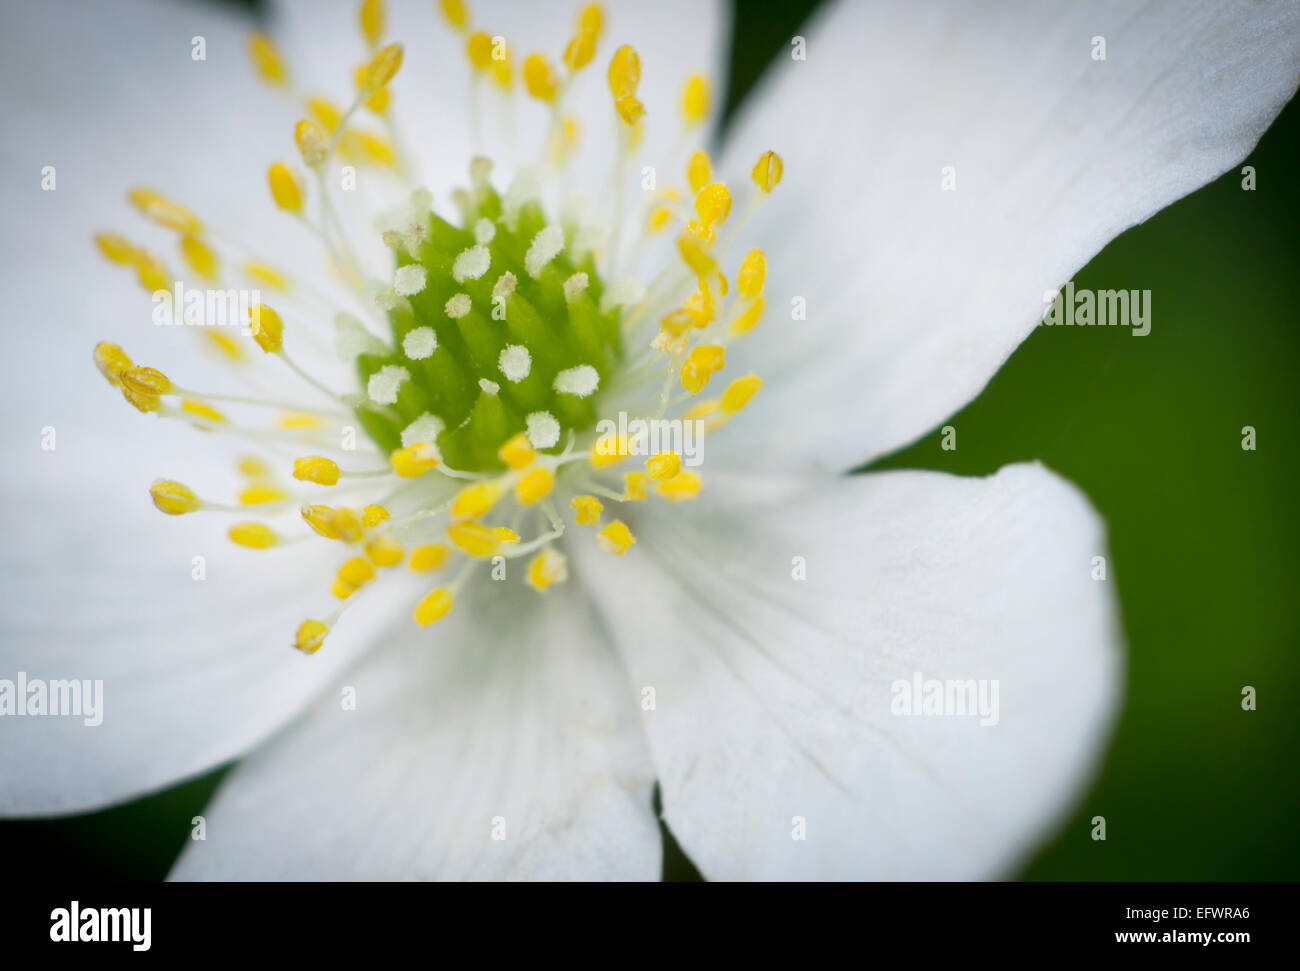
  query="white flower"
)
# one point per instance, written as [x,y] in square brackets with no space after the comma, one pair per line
[742,653]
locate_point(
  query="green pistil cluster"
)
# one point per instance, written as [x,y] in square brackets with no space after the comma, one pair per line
[558,330]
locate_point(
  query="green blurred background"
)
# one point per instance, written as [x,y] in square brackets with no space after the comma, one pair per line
[1202,536]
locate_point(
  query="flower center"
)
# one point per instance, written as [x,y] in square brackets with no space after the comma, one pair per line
[522,378]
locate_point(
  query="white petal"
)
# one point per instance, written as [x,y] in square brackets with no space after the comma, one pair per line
[774,694]
[509,713]
[915,295]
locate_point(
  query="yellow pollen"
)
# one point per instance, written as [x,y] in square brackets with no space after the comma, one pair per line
[326,113]
[695,99]
[224,344]
[609,450]
[268,330]
[699,170]
[517,453]
[111,361]
[251,467]
[298,419]
[356,572]
[381,69]
[429,557]
[539,78]
[266,59]
[546,568]
[474,500]
[378,102]
[505,535]
[316,468]
[586,510]
[371,18]
[436,604]
[455,12]
[624,72]
[341,524]
[580,50]
[662,466]
[704,361]
[311,635]
[479,50]
[267,274]
[739,392]
[616,538]
[695,254]
[752,273]
[199,257]
[117,248]
[767,171]
[534,485]
[313,144]
[256,536]
[684,485]
[146,381]
[591,20]
[163,211]
[713,205]
[342,590]
[284,188]
[384,550]
[373,515]
[261,492]
[414,460]
[141,402]
[173,498]
[151,271]
[201,410]
[473,538]
[748,319]
[634,485]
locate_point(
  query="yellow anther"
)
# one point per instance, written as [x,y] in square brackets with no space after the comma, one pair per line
[256,536]
[739,392]
[426,558]
[375,149]
[634,485]
[748,318]
[586,510]
[284,188]
[546,568]
[517,453]
[146,381]
[311,635]
[695,254]
[223,344]
[616,538]
[534,485]
[684,485]
[117,248]
[373,515]
[141,402]
[173,498]
[699,170]
[540,79]
[624,72]
[267,60]
[704,361]
[326,112]
[199,257]
[505,535]
[342,590]
[700,410]
[251,467]
[316,468]
[630,110]
[261,492]
[371,18]
[200,410]
[298,419]
[266,326]
[479,50]
[767,171]
[356,572]
[163,211]
[663,465]
[591,19]
[414,460]
[502,73]
[700,307]
[265,273]
[384,550]
[151,272]
[112,361]
[713,205]
[580,50]
[321,519]
[474,500]
[660,216]
[752,274]
[609,449]
[435,605]
[381,69]
[455,12]
[473,538]
[313,144]
[695,99]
